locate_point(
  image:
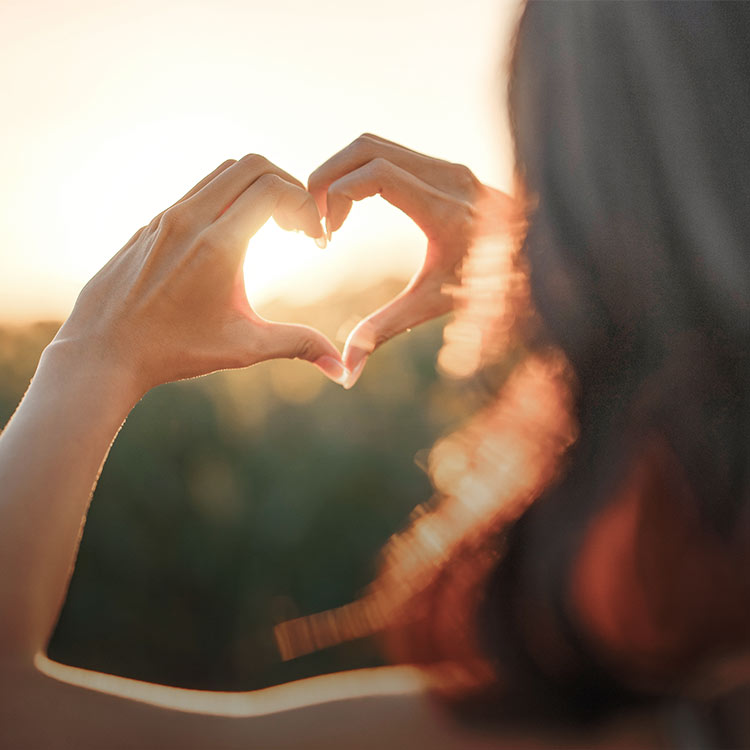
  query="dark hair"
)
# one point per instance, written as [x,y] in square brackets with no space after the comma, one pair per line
[630,128]
[630,124]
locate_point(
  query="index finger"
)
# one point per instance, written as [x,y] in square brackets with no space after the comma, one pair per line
[215,196]
[437,173]
[270,195]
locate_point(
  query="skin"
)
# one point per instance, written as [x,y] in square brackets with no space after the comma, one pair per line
[171,305]
[445,200]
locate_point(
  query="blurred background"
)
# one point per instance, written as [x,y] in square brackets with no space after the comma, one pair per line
[236,501]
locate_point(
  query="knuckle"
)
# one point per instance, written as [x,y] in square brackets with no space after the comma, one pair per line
[151,228]
[315,180]
[381,171]
[465,180]
[336,194]
[381,165]
[362,145]
[141,234]
[228,163]
[214,240]
[254,161]
[304,349]
[334,197]
[463,219]
[269,182]
[174,220]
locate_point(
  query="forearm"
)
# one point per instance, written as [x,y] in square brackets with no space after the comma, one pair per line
[51,454]
[64,708]
[85,710]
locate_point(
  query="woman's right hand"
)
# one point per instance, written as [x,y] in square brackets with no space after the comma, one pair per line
[171,304]
[448,203]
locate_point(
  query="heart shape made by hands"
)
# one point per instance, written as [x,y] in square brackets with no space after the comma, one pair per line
[287,276]
[451,207]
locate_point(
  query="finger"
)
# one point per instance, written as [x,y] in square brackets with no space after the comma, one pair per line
[443,175]
[214,198]
[270,195]
[427,206]
[208,178]
[289,341]
[193,190]
[423,300]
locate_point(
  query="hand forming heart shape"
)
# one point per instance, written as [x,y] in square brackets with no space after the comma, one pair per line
[448,203]
[171,304]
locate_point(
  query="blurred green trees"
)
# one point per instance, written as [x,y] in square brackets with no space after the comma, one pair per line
[243,498]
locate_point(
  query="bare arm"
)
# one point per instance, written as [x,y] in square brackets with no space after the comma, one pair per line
[50,456]
[63,708]
[169,305]
[70,709]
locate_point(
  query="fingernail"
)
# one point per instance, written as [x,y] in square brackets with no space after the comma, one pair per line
[353,355]
[321,241]
[328,231]
[332,369]
[353,376]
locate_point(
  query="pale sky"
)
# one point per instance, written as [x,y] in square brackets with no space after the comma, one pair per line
[112,110]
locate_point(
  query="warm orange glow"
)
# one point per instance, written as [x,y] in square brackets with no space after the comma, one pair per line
[486,475]
[112,111]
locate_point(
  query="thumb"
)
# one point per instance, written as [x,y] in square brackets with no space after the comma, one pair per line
[419,302]
[291,341]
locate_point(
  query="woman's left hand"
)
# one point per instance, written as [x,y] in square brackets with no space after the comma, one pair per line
[446,201]
[171,304]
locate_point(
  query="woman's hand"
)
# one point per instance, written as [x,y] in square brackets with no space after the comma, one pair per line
[171,304]
[445,200]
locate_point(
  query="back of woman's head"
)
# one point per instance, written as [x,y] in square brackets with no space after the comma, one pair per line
[631,135]
[628,122]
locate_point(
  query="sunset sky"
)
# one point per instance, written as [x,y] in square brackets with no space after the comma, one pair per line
[113,110]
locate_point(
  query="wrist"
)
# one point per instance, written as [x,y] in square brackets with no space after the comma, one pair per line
[86,363]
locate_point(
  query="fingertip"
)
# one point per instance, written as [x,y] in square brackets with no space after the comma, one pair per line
[353,375]
[333,369]
[334,223]
[317,232]
[321,236]
[354,356]
[360,343]
[318,193]
[338,207]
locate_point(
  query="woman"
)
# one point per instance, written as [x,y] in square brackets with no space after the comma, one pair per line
[630,486]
